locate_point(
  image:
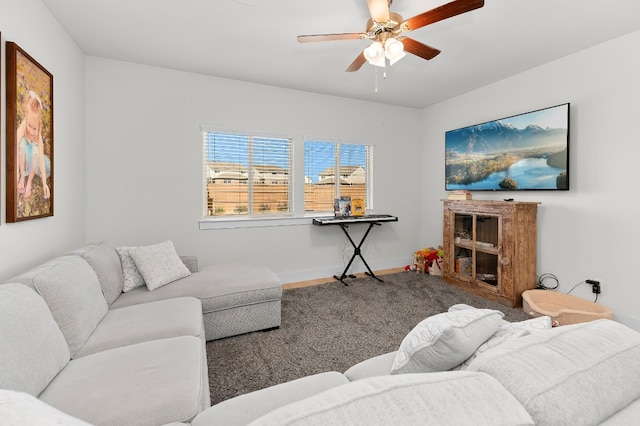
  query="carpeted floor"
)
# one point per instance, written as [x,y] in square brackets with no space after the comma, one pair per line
[330,327]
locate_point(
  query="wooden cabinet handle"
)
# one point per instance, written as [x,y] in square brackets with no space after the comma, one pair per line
[505,261]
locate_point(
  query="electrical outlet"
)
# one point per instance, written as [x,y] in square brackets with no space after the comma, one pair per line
[595,286]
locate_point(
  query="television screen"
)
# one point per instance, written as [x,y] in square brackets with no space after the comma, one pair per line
[527,151]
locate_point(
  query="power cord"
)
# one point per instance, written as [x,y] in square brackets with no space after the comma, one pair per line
[544,279]
[583,282]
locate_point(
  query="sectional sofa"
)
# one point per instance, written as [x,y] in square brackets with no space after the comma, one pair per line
[522,374]
[70,358]
[94,337]
[236,298]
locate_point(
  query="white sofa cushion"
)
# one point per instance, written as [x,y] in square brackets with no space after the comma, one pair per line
[443,341]
[627,416]
[22,409]
[152,383]
[583,361]
[449,398]
[72,291]
[32,347]
[243,409]
[104,260]
[159,264]
[220,287]
[181,316]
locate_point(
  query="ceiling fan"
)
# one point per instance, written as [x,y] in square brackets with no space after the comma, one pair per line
[386,29]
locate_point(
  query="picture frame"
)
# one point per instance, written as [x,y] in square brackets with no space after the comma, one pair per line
[29,109]
[342,206]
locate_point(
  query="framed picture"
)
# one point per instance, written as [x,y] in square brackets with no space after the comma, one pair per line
[342,206]
[29,107]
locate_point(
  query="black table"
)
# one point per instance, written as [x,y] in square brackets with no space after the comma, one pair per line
[344,222]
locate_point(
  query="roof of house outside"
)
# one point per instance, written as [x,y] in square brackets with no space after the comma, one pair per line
[331,180]
[231,176]
[344,170]
[267,168]
[226,166]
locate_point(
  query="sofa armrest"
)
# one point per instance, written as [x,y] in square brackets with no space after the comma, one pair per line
[191,262]
[377,366]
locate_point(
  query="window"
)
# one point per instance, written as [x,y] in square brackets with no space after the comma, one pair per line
[247,175]
[335,170]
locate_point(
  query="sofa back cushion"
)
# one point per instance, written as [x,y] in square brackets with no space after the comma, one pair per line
[105,262]
[587,371]
[32,349]
[443,398]
[71,289]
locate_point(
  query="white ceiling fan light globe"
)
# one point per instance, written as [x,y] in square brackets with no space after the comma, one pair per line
[393,47]
[394,50]
[375,54]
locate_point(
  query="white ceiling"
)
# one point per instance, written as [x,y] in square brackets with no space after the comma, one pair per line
[255,41]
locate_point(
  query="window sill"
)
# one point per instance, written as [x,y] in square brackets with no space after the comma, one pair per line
[253,222]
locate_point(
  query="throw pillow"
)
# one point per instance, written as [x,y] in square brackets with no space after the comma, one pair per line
[443,341]
[159,264]
[506,332]
[130,274]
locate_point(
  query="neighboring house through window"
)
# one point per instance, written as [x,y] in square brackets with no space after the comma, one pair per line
[334,170]
[247,174]
[251,175]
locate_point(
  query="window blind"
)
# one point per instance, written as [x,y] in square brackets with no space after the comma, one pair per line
[335,170]
[247,174]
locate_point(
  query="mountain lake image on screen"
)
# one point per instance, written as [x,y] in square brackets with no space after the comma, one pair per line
[527,151]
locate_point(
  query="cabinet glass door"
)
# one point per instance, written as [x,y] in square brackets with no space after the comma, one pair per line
[476,249]
[486,247]
[463,244]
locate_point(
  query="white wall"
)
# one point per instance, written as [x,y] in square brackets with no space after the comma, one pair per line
[144,154]
[591,231]
[25,244]
[141,171]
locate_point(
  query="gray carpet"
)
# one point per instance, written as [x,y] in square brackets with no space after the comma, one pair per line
[330,327]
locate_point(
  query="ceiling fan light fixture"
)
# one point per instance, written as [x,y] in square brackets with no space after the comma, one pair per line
[394,50]
[375,54]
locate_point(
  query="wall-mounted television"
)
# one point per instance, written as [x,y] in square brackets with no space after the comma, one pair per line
[528,151]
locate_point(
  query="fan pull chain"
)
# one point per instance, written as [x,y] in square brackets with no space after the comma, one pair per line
[375,80]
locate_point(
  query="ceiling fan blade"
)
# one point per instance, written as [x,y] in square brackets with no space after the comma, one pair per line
[379,10]
[357,64]
[330,37]
[445,11]
[419,49]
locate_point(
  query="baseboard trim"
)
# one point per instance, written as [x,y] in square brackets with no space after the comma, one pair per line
[330,271]
[325,280]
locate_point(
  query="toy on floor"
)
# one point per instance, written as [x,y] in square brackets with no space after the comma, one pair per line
[427,260]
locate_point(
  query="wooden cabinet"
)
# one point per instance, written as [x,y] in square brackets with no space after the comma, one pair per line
[490,248]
